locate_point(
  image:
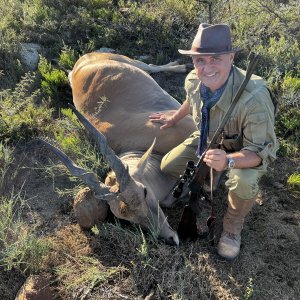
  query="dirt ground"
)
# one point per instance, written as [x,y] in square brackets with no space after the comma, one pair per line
[267,268]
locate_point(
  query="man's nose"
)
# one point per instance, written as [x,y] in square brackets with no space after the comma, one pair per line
[207,68]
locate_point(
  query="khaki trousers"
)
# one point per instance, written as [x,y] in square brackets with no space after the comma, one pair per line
[243,182]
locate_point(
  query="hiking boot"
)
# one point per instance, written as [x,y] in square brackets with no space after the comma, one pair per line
[230,241]
[229,245]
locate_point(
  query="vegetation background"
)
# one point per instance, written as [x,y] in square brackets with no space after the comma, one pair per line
[38,234]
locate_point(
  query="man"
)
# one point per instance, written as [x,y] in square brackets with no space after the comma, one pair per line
[249,141]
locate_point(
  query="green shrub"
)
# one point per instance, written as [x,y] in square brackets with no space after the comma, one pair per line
[10,66]
[291,84]
[21,116]
[54,82]
[294,182]
[288,129]
[67,58]
[153,28]
[269,28]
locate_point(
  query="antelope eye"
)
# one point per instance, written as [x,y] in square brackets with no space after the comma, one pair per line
[145,192]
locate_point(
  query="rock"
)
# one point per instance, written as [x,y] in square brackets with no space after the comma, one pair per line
[143,57]
[30,55]
[106,50]
[35,288]
[278,185]
[88,210]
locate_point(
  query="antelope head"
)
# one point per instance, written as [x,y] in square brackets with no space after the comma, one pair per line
[128,198]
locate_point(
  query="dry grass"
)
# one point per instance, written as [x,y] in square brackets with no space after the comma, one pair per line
[119,261]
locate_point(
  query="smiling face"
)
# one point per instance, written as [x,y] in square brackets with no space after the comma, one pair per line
[213,70]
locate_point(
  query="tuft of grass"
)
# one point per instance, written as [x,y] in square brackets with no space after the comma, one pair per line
[95,230]
[83,272]
[6,160]
[20,248]
[249,289]
[294,182]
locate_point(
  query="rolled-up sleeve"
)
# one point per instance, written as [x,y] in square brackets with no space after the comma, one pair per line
[258,130]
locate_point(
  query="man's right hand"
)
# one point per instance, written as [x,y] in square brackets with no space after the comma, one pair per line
[159,117]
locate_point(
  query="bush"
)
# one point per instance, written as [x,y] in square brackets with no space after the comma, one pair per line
[54,82]
[21,116]
[10,66]
[294,182]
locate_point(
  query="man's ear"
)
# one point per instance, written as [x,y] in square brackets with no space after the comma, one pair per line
[232,56]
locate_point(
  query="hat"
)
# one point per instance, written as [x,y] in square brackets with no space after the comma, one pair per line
[210,40]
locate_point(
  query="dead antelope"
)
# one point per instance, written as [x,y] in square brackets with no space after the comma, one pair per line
[114,99]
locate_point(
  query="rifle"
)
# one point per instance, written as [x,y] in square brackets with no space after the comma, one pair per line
[195,175]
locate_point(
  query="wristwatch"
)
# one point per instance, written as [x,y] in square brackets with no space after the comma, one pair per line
[230,163]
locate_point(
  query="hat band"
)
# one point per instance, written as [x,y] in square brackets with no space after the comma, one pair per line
[211,50]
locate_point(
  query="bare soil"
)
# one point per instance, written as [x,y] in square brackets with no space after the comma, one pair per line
[267,268]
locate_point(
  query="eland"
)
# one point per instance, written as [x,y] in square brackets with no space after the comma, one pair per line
[114,96]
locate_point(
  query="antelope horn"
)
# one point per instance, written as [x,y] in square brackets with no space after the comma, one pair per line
[120,169]
[89,178]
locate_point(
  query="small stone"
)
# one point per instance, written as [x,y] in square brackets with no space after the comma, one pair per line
[278,185]
[30,55]
[106,50]
[35,288]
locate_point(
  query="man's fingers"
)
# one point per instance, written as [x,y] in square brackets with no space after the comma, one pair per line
[156,115]
[165,126]
[157,121]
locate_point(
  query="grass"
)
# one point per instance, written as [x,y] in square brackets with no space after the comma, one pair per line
[112,257]
[6,160]
[249,290]
[23,115]
[85,272]
[294,182]
[20,248]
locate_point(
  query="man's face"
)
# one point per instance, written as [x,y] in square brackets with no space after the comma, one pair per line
[213,70]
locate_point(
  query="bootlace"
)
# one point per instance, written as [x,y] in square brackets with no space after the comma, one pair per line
[230,235]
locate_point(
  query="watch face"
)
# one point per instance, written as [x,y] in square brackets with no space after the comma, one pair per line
[230,163]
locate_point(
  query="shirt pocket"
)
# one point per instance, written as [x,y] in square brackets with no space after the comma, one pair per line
[256,128]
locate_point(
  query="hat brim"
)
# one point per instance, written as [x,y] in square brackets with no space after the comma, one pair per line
[191,52]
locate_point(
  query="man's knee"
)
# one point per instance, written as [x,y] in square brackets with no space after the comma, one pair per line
[174,162]
[244,182]
[171,166]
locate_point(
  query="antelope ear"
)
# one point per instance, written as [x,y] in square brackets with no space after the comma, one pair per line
[144,159]
[123,208]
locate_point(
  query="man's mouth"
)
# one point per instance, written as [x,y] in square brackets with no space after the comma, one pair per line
[211,75]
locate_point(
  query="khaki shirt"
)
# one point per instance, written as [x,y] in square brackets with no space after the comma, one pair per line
[251,125]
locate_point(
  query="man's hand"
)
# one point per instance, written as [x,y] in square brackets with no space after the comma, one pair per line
[216,159]
[159,117]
